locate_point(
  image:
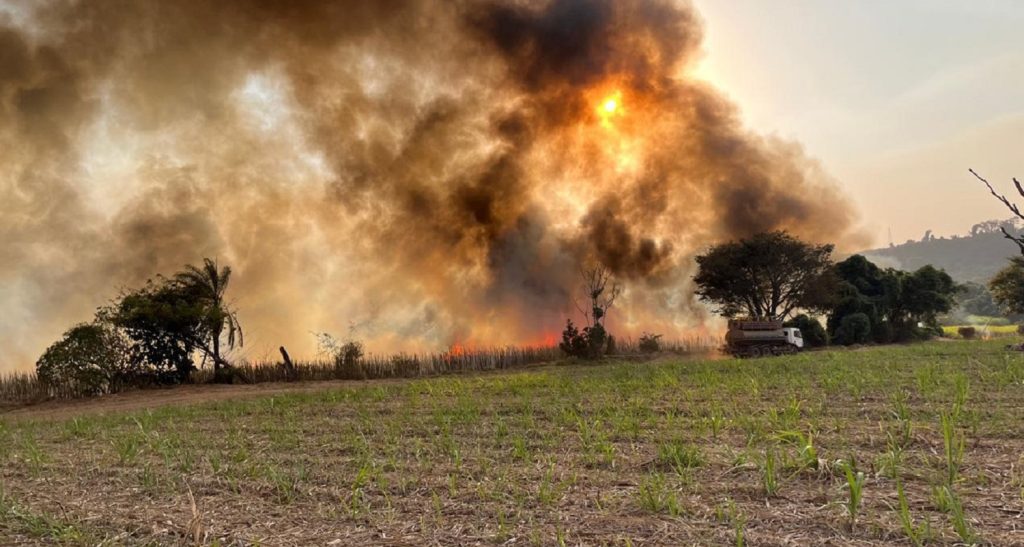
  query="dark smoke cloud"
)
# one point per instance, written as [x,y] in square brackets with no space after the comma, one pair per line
[430,171]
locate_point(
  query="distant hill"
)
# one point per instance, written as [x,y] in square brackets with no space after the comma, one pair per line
[965,258]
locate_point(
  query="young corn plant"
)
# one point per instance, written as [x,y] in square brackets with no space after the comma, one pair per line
[962,385]
[901,430]
[916,533]
[717,423]
[897,439]
[657,496]
[855,487]
[953,443]
[729,513]
[679,456]
[769,475]
[957,517]
[807,454]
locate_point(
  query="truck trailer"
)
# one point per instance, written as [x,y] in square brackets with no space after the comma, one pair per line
[756,338]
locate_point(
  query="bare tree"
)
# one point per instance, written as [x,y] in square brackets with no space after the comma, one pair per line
[599,293]
[1019,240]
[601,290]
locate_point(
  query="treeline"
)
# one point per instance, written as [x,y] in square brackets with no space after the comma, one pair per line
[888,305]
[154,335]
[776,276]
[181,329]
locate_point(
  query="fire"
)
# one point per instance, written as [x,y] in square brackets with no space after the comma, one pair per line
[457,350]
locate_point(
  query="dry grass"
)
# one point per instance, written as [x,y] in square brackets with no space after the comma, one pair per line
[25,388]
[666,452]
[983,331]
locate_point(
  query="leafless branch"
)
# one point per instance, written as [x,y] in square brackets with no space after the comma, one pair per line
[601,291]
[1009,205]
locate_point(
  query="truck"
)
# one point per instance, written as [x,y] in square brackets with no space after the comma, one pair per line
[758,338]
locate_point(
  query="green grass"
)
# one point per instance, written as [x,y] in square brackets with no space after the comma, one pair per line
[613,453]
[22,525]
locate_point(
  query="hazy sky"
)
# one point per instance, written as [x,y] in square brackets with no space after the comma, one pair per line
[896,98]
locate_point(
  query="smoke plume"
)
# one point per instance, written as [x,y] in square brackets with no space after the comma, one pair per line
[429,172]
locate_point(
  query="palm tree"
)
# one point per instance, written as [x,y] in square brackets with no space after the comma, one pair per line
[209,283]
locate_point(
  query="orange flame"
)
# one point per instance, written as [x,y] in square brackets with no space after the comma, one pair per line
[457,350]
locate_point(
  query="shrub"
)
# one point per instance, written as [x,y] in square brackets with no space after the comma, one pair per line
[610,348]
[88,359]
[350,354]
[346,357]
[854,329]
[590,343]
[967,333]
[882,332]
[1020,329]
[813,333]
[650,343]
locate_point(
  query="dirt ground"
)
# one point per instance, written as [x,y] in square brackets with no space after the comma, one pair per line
[669,453]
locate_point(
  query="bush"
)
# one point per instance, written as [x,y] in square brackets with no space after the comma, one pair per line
[854,329]
[882,332]
[650,343]
[610,347]
[1020,329]
[346,356]
[350,354]
[88,360]
[967,333]
[590,343]
[813,333]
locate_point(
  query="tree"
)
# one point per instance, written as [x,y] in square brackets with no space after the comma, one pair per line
[600,290]
[166,324]
[88,359]
[813,333]
[894,302]
[861,289]
[977,299]
[208,284]
[854,329]
[170,320]
[1008,286]
[600,296]
[768,276]
[926,293]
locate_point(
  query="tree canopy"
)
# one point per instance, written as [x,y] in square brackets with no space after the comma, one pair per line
[89,358]
[897,305]
[1008,286]
[768,276]
[207,285]
[156,333]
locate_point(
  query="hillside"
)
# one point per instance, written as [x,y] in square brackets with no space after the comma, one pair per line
[966,258]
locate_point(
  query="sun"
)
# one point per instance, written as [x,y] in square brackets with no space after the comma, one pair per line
[609,107]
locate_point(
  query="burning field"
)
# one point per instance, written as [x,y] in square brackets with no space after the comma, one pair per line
[431,173]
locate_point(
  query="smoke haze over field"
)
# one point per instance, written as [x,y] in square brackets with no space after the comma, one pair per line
[434,172]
